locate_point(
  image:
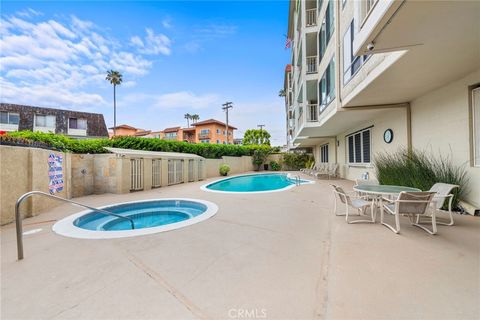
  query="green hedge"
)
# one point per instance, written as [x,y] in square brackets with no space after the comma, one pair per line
[420,169]
[296,161]
[63,143]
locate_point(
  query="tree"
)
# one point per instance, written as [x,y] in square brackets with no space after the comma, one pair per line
[189,117]
[282,93]
[256,137]
[195,117]
[115,78]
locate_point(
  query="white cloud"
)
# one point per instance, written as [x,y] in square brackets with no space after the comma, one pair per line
[29,13]
[60,61]
[186,99]
[152,43]
[166,23]
[48,96]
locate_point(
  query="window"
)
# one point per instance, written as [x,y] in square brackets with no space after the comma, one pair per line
[45,121]
[170,135]
[359,147]
[205,131]
[205,141]
[9,117]
[476,125]
[219,131]
[218,141]
[327,86]
[327,28]
[76,123]
[324,153]
[351,63]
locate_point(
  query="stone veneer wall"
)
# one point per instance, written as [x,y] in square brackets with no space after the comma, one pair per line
[96,126]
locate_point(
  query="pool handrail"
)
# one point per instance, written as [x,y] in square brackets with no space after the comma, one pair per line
[18,219]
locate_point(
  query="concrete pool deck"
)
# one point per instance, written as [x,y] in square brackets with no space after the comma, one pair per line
[281,255]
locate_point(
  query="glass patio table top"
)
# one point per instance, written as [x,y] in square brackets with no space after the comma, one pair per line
[383,189]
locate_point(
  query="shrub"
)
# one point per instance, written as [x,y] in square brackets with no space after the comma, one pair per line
[224,169]
[296,161]
[421,170]
[274,166]
[259,156]
[212,151]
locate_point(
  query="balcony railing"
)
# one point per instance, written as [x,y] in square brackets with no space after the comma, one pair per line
[312,64]
[300,117]
[312,112]
[311,17]
[204,135]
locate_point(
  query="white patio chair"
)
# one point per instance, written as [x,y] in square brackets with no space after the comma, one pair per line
[354,201]
[318,168]
[304,170]
[412,205]
[330,170]
[443,191]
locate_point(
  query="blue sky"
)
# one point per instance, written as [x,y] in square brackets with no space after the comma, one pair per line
[176,57]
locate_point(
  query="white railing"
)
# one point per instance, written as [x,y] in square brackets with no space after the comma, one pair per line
[175,171]
[300,117]
[136,174]
[156,173]
[312,112]
[312,64]
[311,19]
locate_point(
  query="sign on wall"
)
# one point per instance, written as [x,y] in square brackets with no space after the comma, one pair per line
[55,173]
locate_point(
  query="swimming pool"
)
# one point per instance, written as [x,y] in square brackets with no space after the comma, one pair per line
[255,183]
[147,217]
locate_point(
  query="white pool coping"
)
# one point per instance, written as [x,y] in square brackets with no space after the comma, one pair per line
[66,228]
[289,175]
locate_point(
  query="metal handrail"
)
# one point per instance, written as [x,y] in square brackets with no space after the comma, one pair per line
[18,220]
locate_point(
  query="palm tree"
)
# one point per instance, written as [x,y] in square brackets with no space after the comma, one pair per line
[282,93]
[195,117]
[115,78]
[188,116]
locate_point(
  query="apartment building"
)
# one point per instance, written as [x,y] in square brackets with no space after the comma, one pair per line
[207,131]
[15,117]
[213,131]
[372,76]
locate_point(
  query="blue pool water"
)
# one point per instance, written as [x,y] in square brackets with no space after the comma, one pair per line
[145,214]
[253,183]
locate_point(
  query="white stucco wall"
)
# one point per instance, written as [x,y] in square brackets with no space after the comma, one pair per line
[440,123]
[395,119]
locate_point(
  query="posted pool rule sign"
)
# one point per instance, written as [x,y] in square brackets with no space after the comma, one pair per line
[55,173]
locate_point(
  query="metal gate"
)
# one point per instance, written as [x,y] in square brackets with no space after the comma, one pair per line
[191,176]
[175,171]
[156,173]
[136,174]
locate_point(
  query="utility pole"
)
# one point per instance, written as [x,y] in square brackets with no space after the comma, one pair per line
[260,126]
[227,105]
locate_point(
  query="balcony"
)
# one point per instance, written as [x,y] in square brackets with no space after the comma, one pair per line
[312,64]
[204,136]
[312,112]
[311,17]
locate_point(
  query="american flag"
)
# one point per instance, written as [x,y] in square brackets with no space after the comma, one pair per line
[288,43]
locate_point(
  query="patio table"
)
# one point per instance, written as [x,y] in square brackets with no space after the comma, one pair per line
[382,190]
[378,191]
